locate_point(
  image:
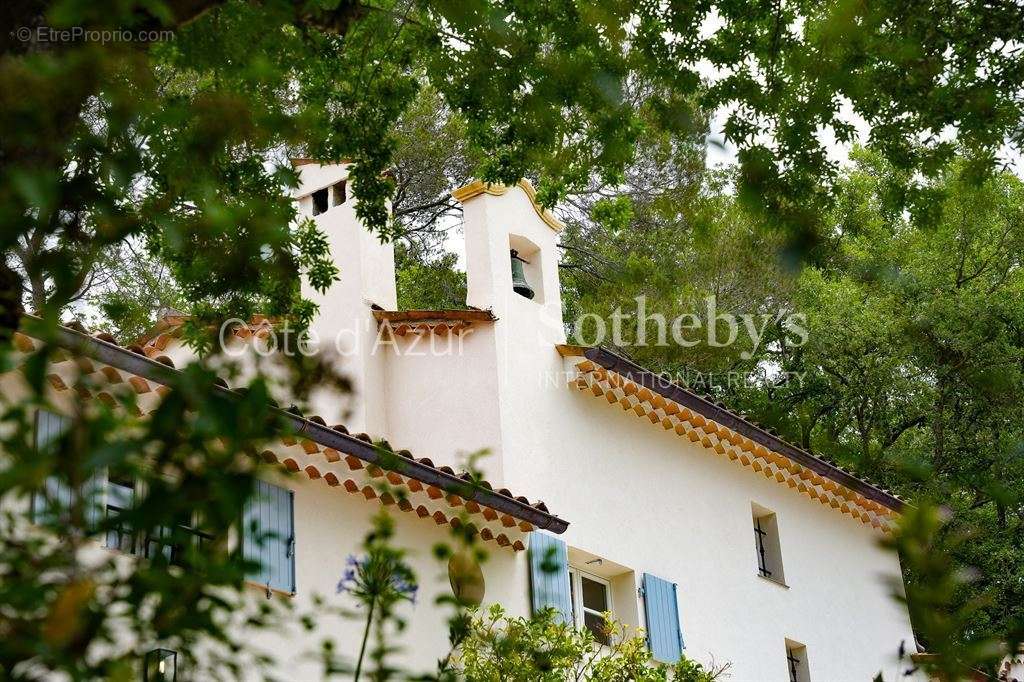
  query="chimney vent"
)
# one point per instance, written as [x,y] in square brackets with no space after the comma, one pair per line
[320,201]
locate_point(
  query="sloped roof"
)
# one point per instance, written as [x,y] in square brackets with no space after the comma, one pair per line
[432,321]
[726,432]
[445,492]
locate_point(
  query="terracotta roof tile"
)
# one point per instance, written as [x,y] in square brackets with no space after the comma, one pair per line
[141,383]
[602,373]
[403,322]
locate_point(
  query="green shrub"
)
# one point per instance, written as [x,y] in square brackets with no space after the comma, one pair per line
[541,649]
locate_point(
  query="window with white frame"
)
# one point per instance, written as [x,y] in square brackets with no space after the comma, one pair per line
[591,598]
[766,544]
[796,662]
[172,544]
[120,499]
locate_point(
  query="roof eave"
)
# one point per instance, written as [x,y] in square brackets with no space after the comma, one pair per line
[466,315]
[672,391]
[125,360]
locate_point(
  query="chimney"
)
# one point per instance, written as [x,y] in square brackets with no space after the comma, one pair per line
[344,323]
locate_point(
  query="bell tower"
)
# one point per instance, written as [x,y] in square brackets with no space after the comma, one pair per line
[511,253]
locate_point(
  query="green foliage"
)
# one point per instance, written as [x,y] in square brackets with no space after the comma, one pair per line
[915,366]
[182,143]
[699,244]
[64,596]
[542,648]
[428,284]
[913,362]
[183,139]
[432,157]
[942,603]
[140,287]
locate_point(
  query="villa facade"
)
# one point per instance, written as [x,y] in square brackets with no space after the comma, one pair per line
[681,517]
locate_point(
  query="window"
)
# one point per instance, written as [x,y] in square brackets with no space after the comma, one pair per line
[590,598]
[120,498]
[320,201]
[166,544]
[340,193]
[106,495]
[766,545]
[796,662]
[172,545]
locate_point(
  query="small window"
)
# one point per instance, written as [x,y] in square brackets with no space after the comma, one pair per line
[591,598]
[320,201]
[340,193]
[796,662]
[766,545]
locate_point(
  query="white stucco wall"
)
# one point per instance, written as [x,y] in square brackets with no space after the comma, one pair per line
[645,498]
[449,382]
[344,328]
[639,497]
[330,525]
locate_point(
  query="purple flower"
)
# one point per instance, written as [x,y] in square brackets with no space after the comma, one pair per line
[348,578]
[362,575]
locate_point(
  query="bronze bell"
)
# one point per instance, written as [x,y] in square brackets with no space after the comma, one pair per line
[519,283]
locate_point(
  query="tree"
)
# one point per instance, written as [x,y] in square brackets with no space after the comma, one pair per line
[909,371]
[140,289]
[432,157]
[109,139]
[176,130]
[428,282]
[916,354]
[37,255]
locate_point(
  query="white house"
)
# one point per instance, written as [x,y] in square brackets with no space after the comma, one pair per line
[673,512]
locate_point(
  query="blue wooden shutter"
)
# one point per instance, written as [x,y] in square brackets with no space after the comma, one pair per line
[549,575]
[661,609]
[269,536]
[56,497]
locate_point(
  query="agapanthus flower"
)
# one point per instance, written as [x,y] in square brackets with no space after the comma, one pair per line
[376,577]
[349,577]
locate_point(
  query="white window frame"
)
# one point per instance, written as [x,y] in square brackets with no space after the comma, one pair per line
[136,491]
[576,590]
[800,670]
[767,539]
